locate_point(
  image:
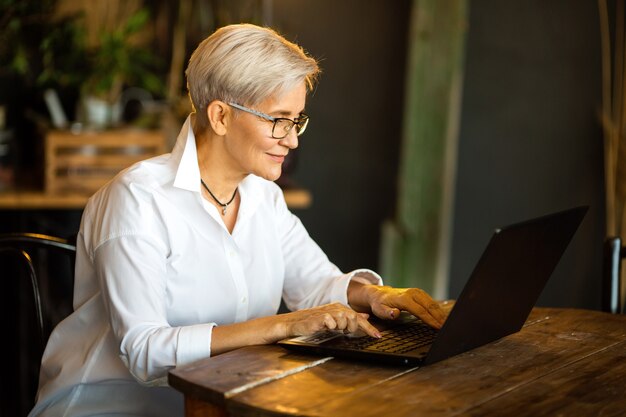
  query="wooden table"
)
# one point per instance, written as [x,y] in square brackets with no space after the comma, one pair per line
[564,362]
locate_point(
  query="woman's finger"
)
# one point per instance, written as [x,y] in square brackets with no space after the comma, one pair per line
[431,311]
[367,327]
[426,317]
[329,321]
[341,319]
[386,311]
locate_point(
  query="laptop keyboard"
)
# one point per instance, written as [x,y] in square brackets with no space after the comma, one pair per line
[401,339]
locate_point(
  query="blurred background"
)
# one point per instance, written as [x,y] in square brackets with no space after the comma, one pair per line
[434,123]
[512,129]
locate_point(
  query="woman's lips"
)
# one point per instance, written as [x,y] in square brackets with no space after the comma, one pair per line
[277,158]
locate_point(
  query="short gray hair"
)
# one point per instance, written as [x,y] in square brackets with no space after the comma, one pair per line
[245,64]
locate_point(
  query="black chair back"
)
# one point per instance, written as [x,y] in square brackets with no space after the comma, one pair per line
[38,281]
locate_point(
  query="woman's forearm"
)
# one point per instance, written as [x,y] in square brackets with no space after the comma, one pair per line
[261,331]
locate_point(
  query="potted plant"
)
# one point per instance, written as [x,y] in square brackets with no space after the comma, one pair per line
[116,61]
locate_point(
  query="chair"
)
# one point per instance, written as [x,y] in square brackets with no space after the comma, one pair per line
[38,280]
[614,252]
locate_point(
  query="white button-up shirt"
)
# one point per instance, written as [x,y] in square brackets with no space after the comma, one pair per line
[157,269]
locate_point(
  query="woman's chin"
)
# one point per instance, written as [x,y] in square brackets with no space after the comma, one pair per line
[271,175]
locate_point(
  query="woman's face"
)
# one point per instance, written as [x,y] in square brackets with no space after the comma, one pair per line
[249,138]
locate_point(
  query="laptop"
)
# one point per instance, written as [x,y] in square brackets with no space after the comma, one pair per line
[495,302]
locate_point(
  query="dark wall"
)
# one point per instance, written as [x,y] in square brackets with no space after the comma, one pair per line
[348,157]
[530,142]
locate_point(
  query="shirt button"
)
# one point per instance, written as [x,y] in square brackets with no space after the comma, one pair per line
[244,299]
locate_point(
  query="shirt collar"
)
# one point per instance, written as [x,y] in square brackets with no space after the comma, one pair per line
[185,155]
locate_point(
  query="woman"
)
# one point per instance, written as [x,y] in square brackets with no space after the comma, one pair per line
[187,255]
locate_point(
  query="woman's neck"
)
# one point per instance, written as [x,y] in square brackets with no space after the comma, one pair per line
[215,170]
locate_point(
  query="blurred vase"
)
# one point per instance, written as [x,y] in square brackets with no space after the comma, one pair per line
[101,114]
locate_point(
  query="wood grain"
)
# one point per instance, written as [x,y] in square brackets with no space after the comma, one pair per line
[198,408]
[583,388]
[498,370]
[214,379]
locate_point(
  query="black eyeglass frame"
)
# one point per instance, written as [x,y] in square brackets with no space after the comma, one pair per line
[301,122]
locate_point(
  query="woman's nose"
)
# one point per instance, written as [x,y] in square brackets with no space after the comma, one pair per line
[291,140]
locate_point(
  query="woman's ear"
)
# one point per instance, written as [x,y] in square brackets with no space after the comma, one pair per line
[216,113]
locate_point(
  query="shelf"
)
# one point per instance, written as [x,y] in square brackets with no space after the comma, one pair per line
[37,200]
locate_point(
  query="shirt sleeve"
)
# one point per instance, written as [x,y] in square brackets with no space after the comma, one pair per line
[132,274]
[311,279]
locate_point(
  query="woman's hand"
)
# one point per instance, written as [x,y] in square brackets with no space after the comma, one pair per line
[270,329]
[326,317]
[387,302]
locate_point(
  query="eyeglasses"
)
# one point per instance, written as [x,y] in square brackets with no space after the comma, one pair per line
[282,126]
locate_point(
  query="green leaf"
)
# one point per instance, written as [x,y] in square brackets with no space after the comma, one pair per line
[136,22]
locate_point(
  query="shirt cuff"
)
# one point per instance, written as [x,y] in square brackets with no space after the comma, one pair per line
[194,343]
[339,293]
